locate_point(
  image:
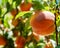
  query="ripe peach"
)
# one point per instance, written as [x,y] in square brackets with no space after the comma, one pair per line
[14,12]
[15,33]
[15,22]
[20,41]
[42,22]
[2,40]
[25,6]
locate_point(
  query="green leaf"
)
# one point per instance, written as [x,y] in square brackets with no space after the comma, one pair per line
[46,8]
[10,1]
[51,4]
[31,45]
[0,11]
[14,0]
[58,46]
[0,2]
[45,3]
[18,2]
[4,2]
[22,13]
[14,5]
[8,6]
[58,21]
[6,35]
[30,1]
[6,20]
[27,15]
[37,5]
[20,26]
[10,43]
[40,45]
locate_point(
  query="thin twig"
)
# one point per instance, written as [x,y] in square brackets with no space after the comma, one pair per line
[56,26]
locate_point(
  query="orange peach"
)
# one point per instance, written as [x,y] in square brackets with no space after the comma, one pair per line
[2,40]
[25,6]
[20,41]
[43,22]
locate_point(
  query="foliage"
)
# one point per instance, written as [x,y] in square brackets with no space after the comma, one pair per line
[23,27]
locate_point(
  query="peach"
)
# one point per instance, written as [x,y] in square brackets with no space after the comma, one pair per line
[43,22]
